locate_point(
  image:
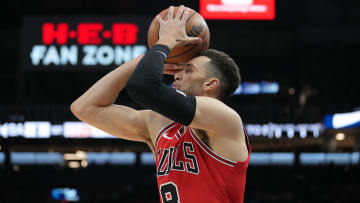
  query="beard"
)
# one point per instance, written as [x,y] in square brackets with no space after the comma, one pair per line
[194,89]
[187,90]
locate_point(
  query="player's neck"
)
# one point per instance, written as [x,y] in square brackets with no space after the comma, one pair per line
[211,94]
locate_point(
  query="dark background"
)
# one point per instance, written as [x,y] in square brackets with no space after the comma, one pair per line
[312,46]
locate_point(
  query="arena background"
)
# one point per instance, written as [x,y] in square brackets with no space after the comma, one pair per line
[300,72]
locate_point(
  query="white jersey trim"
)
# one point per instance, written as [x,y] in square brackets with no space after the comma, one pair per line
[157,138]
[202,144]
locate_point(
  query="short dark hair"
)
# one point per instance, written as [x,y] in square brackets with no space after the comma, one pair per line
[223,67]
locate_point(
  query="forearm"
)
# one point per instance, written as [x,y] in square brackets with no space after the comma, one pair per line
[105,91]
[145,87]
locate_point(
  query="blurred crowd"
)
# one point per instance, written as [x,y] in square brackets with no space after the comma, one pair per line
[265,184]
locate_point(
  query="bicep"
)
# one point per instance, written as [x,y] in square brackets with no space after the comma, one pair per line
[214,116]
[119,121]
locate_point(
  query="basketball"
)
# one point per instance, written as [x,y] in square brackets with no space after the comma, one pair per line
[195,27]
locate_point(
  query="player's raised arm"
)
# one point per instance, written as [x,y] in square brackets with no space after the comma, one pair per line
[96,106]
[211,80]
[145,85]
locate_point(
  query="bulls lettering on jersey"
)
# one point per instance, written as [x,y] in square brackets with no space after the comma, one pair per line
[188,165]
[189,171]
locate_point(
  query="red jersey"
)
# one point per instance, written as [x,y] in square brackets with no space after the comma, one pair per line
[188,171]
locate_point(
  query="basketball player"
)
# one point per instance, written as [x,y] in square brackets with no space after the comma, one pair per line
[200,145]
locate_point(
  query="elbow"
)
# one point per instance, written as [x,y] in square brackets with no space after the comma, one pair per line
[84,112]
[76,109]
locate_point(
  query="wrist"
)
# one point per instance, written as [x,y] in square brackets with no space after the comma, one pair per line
[170,42]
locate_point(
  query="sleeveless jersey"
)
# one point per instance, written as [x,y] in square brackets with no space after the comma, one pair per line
[188,171]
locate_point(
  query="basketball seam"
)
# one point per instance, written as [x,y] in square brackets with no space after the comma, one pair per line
[149,39]
[193,46]
[189,49]
[190,17]
[169,57]
[186,20]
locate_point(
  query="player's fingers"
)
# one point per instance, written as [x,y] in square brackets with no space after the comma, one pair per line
[171,12]
[168,72]
[185,16]
[171,72]
[174,66]
[180,12]
[159,18]
[171,66]
[194,40]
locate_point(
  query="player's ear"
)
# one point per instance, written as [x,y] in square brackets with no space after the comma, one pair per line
[211,83]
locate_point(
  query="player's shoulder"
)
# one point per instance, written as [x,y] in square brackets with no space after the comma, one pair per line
[155,117]
[154,121]
[212,103]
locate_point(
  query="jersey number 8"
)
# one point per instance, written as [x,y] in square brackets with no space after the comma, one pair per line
[169,193]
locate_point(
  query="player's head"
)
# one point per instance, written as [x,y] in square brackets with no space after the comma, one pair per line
[213,73]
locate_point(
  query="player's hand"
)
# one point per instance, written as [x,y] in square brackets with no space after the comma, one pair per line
[172,69]
[173,30]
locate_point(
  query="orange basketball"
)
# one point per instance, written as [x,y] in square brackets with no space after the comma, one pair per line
[195,27]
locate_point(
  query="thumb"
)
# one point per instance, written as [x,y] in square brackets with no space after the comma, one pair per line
[171,71]
[194,40]
[171,66]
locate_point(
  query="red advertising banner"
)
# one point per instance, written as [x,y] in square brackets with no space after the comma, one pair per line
[238,9]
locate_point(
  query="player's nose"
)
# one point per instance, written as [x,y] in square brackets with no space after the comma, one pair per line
[178,75]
